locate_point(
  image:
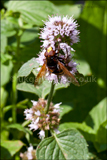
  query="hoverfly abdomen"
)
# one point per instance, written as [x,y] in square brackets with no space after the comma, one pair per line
[56,65]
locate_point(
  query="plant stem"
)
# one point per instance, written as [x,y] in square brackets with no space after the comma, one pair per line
[46,133]
[18,45]
[14,83]
[48,103]
[50,97]
[14,96]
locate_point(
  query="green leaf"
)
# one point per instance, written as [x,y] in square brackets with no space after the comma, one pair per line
[101,136]
[46,85]
[86,131]
[17,130]
[13,20]
[41,90]
[10,148]
[70,10]
[97,115]
[84,67]
[7,108]
[100,146]
[4,135]
[98,121]
[4,95]
[3,43]
[69,144]
[27,87]
[76,125]
[65,109]
[7,29]
[29,35]
[27,68]
[23,102]
[6,68]
[60,86]
[16,126]
[5,57]
[33,12]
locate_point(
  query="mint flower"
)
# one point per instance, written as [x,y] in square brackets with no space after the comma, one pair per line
[41,120]
[29,154]
[42,134]
[59,34]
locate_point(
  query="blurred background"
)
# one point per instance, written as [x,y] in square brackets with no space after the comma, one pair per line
[84,108]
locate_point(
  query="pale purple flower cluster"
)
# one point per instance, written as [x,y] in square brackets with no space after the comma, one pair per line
[60,34]
[40,120]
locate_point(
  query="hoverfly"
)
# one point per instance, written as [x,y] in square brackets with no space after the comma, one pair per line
[56,65]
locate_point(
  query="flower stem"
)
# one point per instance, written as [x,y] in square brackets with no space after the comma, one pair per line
[48,103]
[46,133]
[50,97]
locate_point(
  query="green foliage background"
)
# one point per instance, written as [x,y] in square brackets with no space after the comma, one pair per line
[84,108]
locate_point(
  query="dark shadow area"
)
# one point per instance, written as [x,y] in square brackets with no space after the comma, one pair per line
[83,100]
[93,48]
[5,154]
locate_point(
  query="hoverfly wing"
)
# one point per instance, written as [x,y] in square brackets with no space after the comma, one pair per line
[68,74]
[41,75]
